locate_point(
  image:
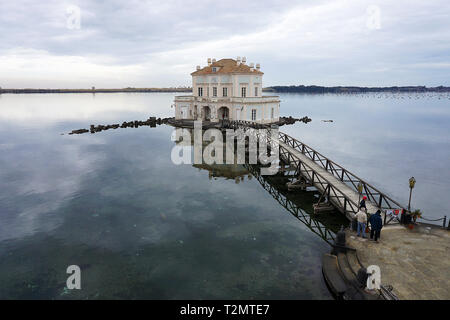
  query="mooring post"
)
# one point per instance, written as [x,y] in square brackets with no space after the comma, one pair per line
[340,242]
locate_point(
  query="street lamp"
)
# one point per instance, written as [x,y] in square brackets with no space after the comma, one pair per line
[412,182]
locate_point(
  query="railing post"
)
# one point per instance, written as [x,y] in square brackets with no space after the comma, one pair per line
[445,222]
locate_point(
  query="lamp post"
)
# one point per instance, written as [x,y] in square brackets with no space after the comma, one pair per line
[412,182]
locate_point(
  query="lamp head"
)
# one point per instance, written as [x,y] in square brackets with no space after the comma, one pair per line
[412,182]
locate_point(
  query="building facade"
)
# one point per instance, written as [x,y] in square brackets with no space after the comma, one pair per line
[228,89]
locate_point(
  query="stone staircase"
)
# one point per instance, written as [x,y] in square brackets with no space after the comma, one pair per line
[346,276]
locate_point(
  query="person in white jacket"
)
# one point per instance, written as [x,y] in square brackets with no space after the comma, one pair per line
[361,217]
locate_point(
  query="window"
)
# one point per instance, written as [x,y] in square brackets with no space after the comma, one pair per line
[200,91]
[214,91]
[256,91]
[214,69]
[271,114]
[253,114]
[244,92]
[225,92]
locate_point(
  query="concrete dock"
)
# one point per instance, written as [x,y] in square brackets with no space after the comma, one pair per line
[415,262]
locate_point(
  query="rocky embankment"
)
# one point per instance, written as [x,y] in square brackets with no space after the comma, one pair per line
[151,122]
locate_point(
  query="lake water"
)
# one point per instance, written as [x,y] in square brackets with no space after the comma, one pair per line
[140,226]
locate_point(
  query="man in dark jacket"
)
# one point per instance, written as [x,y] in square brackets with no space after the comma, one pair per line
[376,223]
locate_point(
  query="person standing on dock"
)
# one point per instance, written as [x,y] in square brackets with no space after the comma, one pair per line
[376,223]
[361,217]
[362,204]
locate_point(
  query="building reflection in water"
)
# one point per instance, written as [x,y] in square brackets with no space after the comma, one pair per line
[298,203]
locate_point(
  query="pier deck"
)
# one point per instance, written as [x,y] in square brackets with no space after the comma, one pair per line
[414,261]
[321,179]
[339,187]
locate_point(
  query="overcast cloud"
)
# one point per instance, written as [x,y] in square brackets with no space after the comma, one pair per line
[135,43]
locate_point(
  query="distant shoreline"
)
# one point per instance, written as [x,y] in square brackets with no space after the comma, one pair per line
[351,89]
[277,89]
[30,90]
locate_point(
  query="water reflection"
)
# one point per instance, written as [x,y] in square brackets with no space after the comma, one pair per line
[142,227]
[296,203]
[383,138]
[130,218]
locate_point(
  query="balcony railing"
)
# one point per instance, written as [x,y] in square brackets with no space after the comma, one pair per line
[229,99]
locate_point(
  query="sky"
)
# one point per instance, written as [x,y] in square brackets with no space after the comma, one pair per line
[116,43]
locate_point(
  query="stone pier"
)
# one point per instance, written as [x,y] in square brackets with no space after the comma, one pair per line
[415,262]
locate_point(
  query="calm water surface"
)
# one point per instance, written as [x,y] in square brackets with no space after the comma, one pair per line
[141,227]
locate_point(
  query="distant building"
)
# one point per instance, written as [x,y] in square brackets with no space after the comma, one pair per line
[228,89]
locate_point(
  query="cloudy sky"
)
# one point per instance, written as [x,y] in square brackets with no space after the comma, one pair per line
[116,43]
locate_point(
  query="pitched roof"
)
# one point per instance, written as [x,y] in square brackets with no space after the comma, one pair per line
[226,66]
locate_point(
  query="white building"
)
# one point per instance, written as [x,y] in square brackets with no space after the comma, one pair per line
[228,89]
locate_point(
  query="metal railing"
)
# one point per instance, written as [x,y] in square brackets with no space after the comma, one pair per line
[382,200]
[314,225]
[342,201]
[444,221]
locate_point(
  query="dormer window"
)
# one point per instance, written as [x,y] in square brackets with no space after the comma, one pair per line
[214,69]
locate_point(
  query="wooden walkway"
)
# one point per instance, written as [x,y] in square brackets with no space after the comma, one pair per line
[339,194]
[339,187]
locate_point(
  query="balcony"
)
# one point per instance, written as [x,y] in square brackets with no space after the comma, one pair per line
[250,100]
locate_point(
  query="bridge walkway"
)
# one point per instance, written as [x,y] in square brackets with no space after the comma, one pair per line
[342,196]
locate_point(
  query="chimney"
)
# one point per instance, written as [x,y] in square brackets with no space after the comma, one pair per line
[238,60]
[213,60]
[258,66]
[252,65]
[198,68]
[244,60]
[209,61]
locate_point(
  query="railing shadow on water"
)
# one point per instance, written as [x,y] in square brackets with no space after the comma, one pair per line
[298,204]
[275,185]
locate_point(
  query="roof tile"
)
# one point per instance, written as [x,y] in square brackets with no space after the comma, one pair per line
[226,66]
